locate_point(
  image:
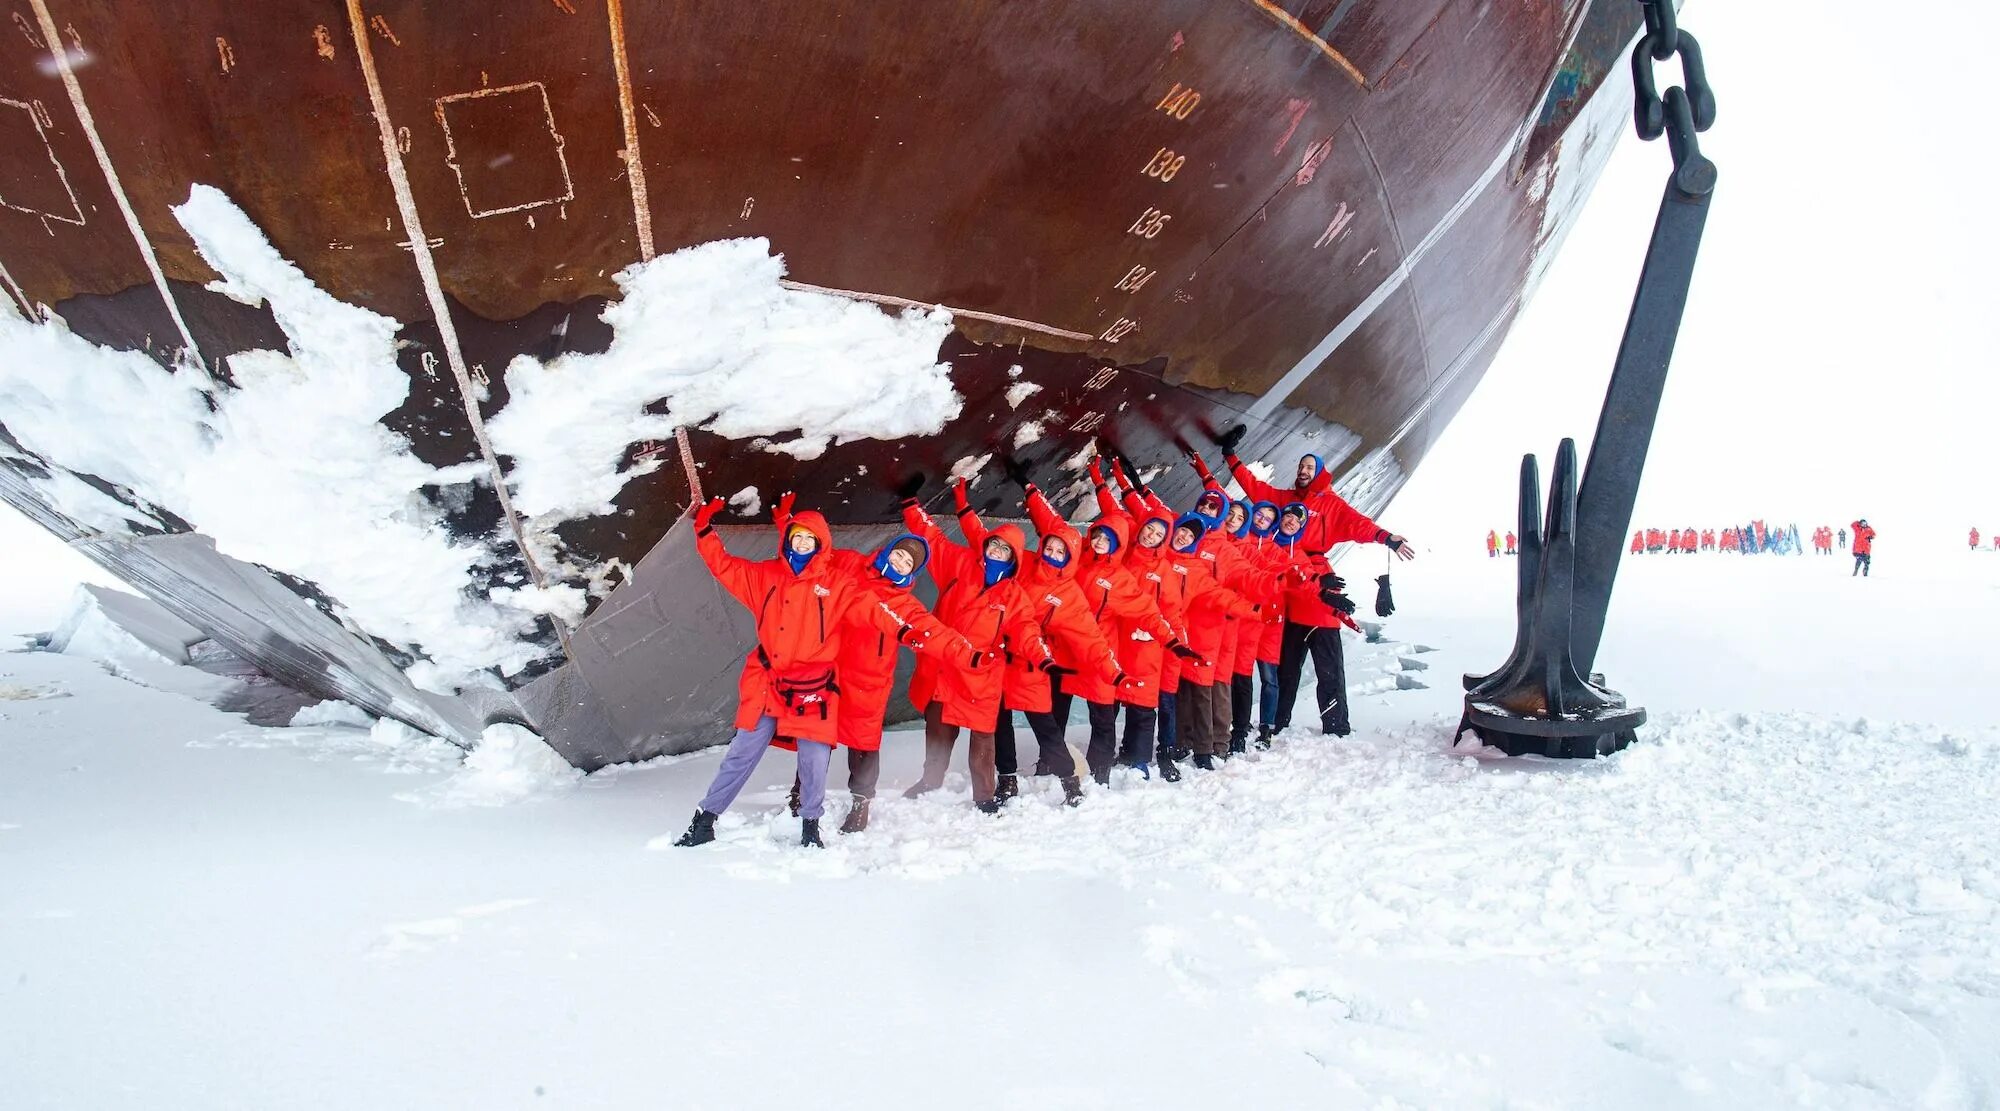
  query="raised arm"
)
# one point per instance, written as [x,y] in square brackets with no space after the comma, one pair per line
[1040,512]
[741,577]
[1254,488]
[1107,502]
[968,518]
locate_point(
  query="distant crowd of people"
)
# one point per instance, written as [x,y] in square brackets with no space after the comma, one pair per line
[1757,538]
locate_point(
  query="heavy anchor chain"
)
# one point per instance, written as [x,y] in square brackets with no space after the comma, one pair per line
[1545,700]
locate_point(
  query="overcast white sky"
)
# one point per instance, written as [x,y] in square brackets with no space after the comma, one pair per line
[1836,356]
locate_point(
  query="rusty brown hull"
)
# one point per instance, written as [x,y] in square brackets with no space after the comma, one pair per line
[1317,217]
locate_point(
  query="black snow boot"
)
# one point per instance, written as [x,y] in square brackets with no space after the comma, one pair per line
[1168,771]
[1101,778]
[1264,736]
[1239,746]
[1204,761]
[1072,791]
[809,834]
[1007,787]
[857,816]
[990,806]
[700,831]
[792,800]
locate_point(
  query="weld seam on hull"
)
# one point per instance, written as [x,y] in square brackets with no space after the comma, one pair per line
[970,314]
[635,177]
[74,88]
[420,250]
[1291,23]
[1282,391]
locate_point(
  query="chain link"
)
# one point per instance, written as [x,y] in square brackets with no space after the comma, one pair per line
[1683,110]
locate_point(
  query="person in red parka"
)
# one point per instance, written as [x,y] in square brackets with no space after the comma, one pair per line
[788,687]
[1149,561]
[1639,542]
[978,597]
[1864,548]
[1240,543]
[1228,544]
[1975,538]
[1268,631]
[1492,544]
[1075,640]
[1513,543]
[1333,521]
[1140,636]
[1204,700]
[889,618]
[1316,608]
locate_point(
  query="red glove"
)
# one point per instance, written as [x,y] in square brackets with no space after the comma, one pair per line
[1096,471]
[785,501]
[706,514]
[958,498]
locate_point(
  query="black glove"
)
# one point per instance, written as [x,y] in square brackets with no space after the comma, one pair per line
[1337,600]
[1228,440]
[1017,472]
[1385,603]
[1055,670]
[910,487]
[1331,581]
[1183,651]
[1118,680]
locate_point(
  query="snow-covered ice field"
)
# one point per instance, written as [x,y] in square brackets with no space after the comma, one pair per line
[1784,895]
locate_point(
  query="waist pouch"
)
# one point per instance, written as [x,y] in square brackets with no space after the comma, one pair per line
[804,691]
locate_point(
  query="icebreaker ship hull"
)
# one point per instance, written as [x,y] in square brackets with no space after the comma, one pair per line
[387,340]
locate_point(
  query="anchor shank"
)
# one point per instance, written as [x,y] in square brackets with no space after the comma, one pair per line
[1631,404]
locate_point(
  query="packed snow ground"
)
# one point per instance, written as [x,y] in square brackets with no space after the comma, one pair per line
[1784,895]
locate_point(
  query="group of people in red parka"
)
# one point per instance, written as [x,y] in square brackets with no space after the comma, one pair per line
[1195,627]
[1493,544]
[1681,541]
[1757,537]
[1975,540]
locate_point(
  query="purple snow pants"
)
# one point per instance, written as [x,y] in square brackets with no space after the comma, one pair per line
[747,749]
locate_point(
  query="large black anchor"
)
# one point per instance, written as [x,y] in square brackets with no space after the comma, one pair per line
[1546,700]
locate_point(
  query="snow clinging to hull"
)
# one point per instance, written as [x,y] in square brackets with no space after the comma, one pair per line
[290,468]
[709,332]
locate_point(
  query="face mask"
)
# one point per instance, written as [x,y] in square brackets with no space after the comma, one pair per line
[798,560]
[1057,558]
[998,569]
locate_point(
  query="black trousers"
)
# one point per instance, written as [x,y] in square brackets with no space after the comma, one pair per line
[1048,729]
[1861,562]
[1329,675]
[1105,749]
[1242,708]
